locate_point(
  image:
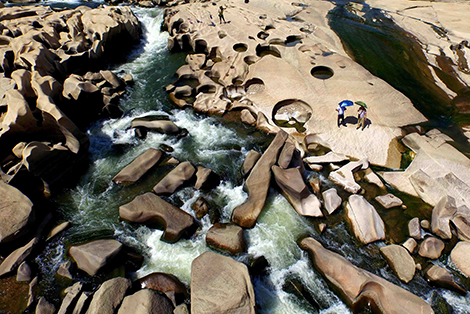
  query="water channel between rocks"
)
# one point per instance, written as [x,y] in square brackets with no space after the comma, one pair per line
[92,206]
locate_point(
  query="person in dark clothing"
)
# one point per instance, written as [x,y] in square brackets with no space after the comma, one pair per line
[221,14]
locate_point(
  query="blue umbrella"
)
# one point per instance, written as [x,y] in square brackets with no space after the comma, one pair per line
[346,103]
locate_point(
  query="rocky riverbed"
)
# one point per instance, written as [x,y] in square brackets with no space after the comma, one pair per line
[377,233]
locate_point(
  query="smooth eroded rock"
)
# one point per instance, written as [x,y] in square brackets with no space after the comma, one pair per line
[173,180]
[138,167]
[92,256]
[146,301]
[389,201]
[431,248]
[161,126]
[414,228]
[442,278]
[251,158]
[168,284]
[460,256]
[108,297]
[366,223]
[400,260]
[331,200]
[226,238]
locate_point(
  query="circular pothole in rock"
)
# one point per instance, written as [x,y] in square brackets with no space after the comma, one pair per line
[254,85]
[322,72]
[250,59]
[262,51]
[292,113]
[240,47]
[262,35]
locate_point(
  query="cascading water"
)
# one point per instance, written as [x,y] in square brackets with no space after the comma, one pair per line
[93,205]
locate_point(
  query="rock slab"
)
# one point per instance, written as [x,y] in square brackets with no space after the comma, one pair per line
[173,180]
[366,223]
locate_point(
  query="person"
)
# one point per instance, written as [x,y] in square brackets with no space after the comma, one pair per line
[340,115]
[361,117]
[221,14]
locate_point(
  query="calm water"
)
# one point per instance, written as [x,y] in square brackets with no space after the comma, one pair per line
[93,205]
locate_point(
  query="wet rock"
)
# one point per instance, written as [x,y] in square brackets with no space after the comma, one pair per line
[410,245]
[150,209]
[93,256]
[431,248]
[44,307]
[161,126]
[257,184]
[359,288]
[58,229]
[140,132]
[24,273]
[330,157]
[145,302]
[220,284]
[322,227]
[32,291]
[15,213]
[460,256]
[68,303]
[389,201]
[251,158]
[64,270]
[293,188]
[414,228]
[442,213]
[108,297]
[206,179]
[442,278]
[365,221]
[345,177]
[168,284]
[138,167]
[173,180]
[227,238]
[331,200]
[400,260]
[17,257]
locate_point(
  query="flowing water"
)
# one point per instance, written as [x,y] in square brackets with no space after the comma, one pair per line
[93,205]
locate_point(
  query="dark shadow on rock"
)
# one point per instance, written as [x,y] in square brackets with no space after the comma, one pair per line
[350,120]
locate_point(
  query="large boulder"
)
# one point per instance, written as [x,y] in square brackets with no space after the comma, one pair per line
[330,157]
[109,296]
[139,166]
[15,212]
[257,184]
[344,176]
[220,284]
[251,159]
[365,221]
[431,248]
[151,210]
[331,200]
[295,190]
[44,307]
[227,238]
[168,284]
[442,278]
[93,256]
[460,256]
[173,180]
[161,126]
[359,288]
[400,260]
[206,179]
[146,301]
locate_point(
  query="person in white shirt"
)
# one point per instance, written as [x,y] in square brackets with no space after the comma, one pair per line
[340,115]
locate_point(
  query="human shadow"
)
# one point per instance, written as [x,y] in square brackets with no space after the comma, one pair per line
[354,120]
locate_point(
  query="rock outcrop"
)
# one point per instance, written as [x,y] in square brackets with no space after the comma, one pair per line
[365,221]
[344,176]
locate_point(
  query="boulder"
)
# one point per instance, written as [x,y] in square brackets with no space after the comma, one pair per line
[364,219]
[150,209]
[22,79]
[173,180]
[400,260]
[414,228]
[160,126]
[108,297]
[64,270]
[286,155]
[220,284]
[68,303]
[15,212]
[460,256]
[372,178]
[93,256]
[228,238]
[389,201]
[200,207]
[461,221]
[431,248]
[12,261]
[138,167]
[24,273]
[146,302]
[112,79]
[315,167]
[442,213]
[58,229]
[82,303]
[331,200]
[359,288]
[410,245]
[315,183]
[168,284]
[206,179]
[344,176]
[44,307]
[181,309]
[247,117]
[293,188]
[251,158]
[440,277]
[330,157]
[257,184]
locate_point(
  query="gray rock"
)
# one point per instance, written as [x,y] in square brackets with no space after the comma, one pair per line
[181,309]
[400,260]
[220,284]
[389,201]
[414,228]
[442,278]
[82,303]
[24,273]
[70,298]
[44,307]
[58,229]
[366,223]
[64,270]
[425,224]
[431,248]
[410,245]
[173,180]
[138,167]
[146,302]
[331,200]
[109,296]
[250,161]
[226,238]
[460,256]
[92,256]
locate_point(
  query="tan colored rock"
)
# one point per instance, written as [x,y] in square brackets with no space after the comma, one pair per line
[414,228]
[442,213]
[168,284]
[330,157]
[227,238]
[257,184]
[93,256]
[22,79]
[139,166]
[442,278]
[44,307]
[286,154]
[364,219]
[372,178]
[175,178]
[460,257]
[161,126]
[70,298]
[112,79]
[109,296]
[431,248]
[425,224]
[58,229]
[400,260]
[344,176]
[358,287]
[64,270]
[151,209]
[251,158]
[12,261]
[389,201]
[146,301]
[410,245]
[206,179]
[293,188]
[220,284]
[331,200]
[247,117]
